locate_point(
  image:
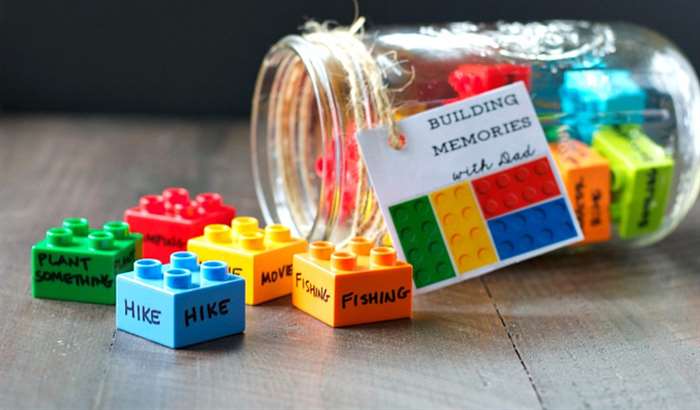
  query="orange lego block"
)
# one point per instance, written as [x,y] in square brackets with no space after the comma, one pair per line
[359,284]
[463,227]
[586,175]
[262,257]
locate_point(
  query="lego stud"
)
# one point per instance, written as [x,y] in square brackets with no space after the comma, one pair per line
[183,260]
[251,241]
[321,250]
[382,256]
[148,268]
[101,240]
[244,224]
[214,270]
[360,246]
[210,201]
[152,204]
[119,229]
[217,233]
[79,226]
[343,261]
[278,233]
[175,196]
[59,237]
[186,211]
[178,278]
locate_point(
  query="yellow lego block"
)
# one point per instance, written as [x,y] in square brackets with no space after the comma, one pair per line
[586,175]
[360,284]
[262,257]
[463,227]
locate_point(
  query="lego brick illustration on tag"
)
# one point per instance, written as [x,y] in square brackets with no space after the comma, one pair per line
[478,187]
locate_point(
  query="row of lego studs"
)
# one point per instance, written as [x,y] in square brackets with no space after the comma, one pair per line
[182,276]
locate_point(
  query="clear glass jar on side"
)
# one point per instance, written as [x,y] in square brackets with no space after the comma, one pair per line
[613,91]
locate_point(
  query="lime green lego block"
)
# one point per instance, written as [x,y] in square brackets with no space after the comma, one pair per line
[80,264]
[642,173]
[421,241]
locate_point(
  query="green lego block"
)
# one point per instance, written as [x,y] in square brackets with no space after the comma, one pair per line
[80,264]
[421,241]
[642,173]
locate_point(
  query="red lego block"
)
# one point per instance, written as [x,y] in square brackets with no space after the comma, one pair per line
[515,187]
[349,178]
[472,79]
[169,220]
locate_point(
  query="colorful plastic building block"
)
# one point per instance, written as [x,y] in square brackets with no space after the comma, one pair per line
[463,227]
[641,184]
[262,258]
[348,182]
[182,303]
[586,175]
[472,79]
[419,234]
[589,94]
[349,287]
[532,228]
[169,220]
[515,187]
[80,264]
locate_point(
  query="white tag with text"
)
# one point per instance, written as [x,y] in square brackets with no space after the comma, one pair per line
[474,189]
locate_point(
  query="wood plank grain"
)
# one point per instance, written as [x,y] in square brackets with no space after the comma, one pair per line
[612,328]
[455,353]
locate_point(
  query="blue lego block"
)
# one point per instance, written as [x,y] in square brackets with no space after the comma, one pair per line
[181,303]
[587,93]
[532,228]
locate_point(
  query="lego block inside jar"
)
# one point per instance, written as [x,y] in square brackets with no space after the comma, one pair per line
[591,97]
[80,264]
[586,175]
[181,303]
[169,220]
[360,284]
[532,228]
[641,183]
[419,234]
[471,79]
[515,187]
[262,257]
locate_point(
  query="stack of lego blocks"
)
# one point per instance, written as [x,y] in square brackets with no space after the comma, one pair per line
[187,273]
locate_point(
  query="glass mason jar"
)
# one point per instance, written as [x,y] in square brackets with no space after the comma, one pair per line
[618,102]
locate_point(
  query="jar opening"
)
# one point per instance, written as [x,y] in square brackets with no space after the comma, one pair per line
[306,162]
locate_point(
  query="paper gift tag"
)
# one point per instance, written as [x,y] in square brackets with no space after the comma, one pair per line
[474,189]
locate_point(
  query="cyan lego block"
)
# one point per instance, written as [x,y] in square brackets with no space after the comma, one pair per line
[181,303]
[587,95]
[532,228]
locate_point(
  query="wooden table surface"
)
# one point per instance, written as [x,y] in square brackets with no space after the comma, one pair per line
[610,328]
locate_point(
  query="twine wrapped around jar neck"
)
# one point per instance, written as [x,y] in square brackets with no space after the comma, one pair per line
[368,98]
[365,101]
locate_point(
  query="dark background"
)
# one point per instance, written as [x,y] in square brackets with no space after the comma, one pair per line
[200,58]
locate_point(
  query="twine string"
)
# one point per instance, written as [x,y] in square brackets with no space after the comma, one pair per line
[368,101]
